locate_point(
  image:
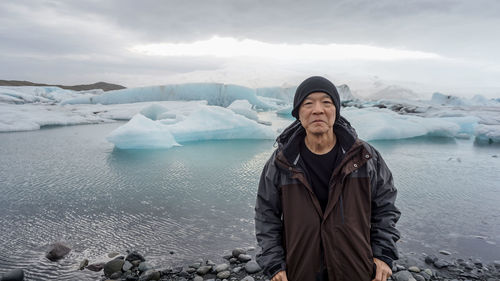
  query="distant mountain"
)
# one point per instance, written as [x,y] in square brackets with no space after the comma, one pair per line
[99,85]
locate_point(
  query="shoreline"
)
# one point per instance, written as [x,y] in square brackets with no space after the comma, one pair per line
[240,265]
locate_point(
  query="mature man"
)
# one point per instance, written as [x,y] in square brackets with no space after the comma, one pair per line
[325,205]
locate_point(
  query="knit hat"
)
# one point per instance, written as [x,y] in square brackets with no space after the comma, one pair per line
[312,85]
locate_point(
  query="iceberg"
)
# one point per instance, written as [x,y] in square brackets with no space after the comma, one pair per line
[487,133]
[243,107]
[142,133]
[213,93]
[383,124]
[37,94]
[286,94]
[205,123]
[449,100]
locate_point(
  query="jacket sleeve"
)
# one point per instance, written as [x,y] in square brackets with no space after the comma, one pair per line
[268,224]
[385,214]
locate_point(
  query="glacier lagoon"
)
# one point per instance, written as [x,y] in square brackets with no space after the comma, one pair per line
[70,184]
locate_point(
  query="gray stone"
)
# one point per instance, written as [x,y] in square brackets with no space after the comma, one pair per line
[224,274]
[211,263]
[418,277]
[238,251]
[248,278]
[222,267]
[191,270]
[112,255]
[96,266]
[83,264]
[400,267]
[468,266]
[195,265]
[233,260]
[57,251]
[237,269]
[252,267]
[244,258]
[250,249]
[403,275]
[127,266]
[134,256]
[202,270]
[144,266]
[198,278]
[496,264]
[150,275]
[113,266]
[441,264]
[414,269]
[14,275]
[429,271]
[444,252]
[430,259]
[425,275]
[116,275]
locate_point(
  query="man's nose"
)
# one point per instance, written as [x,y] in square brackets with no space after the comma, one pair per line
[317,108]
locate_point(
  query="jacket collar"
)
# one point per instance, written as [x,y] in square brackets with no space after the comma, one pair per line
[289,140]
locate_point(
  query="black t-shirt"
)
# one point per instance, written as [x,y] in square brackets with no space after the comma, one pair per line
[320,169]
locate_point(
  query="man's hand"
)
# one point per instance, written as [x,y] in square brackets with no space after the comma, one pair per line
[383,270]
[280,276]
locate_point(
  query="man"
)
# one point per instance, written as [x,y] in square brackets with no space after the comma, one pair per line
[325,205]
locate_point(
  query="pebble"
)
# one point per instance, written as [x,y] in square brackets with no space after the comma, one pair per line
[414,269]
[444,252]
[248,278]
[244,257]
[441,263]
[233,260]
[113,266]
[14,275]
[96,266]
[222,267]
[134,256]
[202,270]
[83,264]
[429,271]
[224,274]
[237,269]
[150,275]
[252,267]
[198,278]
[195,265]
[430,259]
[116,275]
[112,255]
[127,266]
[57,251]
[211,263]
[404,275]
[418,277]
[238,251]
[144,266]
[191,270]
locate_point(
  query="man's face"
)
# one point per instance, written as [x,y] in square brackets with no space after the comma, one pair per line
[317,113]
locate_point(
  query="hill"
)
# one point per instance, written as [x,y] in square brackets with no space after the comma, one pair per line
[99,85]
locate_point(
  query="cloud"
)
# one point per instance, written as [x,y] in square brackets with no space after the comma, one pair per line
[63,41]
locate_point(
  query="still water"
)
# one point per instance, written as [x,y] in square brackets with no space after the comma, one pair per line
[69,184]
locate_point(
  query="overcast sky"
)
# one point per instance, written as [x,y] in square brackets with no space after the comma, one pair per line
[447,46]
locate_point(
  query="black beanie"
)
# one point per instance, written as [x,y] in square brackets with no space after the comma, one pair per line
[312,85]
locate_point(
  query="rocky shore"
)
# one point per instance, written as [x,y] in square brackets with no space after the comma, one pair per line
[240,265]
